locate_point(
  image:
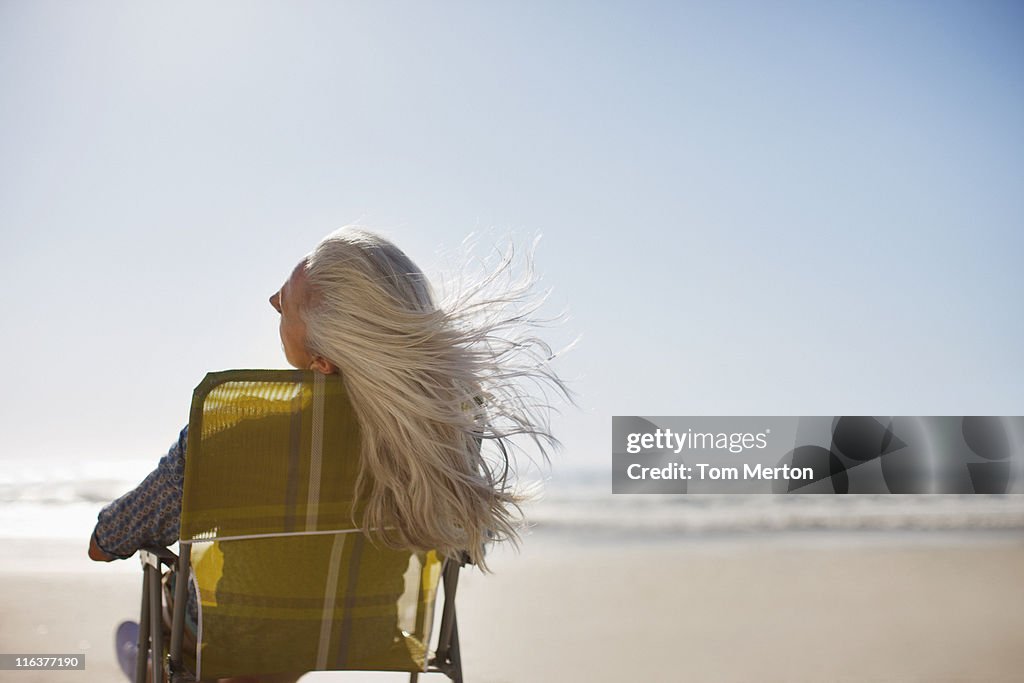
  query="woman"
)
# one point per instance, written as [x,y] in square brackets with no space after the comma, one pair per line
[443,377]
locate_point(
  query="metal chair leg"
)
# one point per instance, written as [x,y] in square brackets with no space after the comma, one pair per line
[447,659]
[154,592]
[142,652]
[450,580]
[455,655]
[176,666]
[156,624]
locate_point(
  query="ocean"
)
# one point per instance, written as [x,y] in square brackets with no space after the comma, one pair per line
[61,500]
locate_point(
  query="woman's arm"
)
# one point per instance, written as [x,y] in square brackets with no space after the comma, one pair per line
[147,515]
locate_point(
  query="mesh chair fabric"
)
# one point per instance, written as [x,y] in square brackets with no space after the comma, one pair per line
[269,452]
[285,579]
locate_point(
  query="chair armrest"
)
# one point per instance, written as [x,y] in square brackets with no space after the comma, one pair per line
[154,555]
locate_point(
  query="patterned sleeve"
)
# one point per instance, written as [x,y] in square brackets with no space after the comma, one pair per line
[149,514]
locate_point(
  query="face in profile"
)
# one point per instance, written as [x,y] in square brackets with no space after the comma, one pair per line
[288,301]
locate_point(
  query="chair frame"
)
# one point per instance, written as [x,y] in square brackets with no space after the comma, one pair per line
[447,659]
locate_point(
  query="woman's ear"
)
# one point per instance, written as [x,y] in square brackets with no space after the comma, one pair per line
[321,364]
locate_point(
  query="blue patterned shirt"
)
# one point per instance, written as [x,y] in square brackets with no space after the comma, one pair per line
[150,513]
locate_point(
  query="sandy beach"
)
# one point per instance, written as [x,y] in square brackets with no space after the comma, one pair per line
[930,606]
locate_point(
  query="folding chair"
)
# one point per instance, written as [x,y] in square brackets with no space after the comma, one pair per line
[286,581]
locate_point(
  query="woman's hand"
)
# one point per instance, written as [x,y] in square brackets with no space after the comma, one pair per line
[97,553]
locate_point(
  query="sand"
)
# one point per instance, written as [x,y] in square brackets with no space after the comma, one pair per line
[853,606]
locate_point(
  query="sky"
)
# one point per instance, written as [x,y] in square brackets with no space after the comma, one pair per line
[746,208]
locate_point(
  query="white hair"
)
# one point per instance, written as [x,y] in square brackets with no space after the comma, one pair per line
[429,383]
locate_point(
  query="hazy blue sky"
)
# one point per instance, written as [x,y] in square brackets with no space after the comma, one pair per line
[748,208]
